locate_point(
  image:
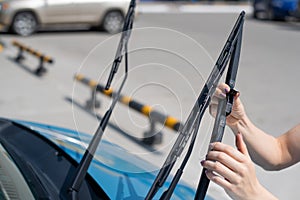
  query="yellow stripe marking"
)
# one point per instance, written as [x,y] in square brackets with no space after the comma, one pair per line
[171,122]
[146,110]
[79,77]
[108,92]
[31,50]
[93,83]
[47,59]
[125,100]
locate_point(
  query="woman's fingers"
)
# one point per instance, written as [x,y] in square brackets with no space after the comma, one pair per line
[224,87]
[240,144]
[213,109]
[227,161]
[219,94]
[223,158]
[218,179]
[233,170]
[220,169]
[229,150]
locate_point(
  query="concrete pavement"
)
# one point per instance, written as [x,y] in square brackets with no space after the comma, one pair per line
[172,55]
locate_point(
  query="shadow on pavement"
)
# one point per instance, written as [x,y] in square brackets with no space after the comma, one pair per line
[127,135]
[24,67]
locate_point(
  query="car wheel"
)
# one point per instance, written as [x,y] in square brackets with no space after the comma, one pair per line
[255,16]
[113,22]
[24,23]
[270,14]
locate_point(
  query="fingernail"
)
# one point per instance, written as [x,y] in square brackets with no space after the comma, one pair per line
[227,90]
[236,97]
[202,162]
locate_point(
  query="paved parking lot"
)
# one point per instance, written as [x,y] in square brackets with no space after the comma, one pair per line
[170,57]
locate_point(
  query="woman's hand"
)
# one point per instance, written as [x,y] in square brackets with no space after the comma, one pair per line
[233,170]
[237,112]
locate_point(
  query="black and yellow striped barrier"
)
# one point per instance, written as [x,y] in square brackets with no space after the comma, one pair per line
[42,57]
[146,110]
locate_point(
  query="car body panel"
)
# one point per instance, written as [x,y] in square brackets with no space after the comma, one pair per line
[120,174]
[57,11]
[93,11]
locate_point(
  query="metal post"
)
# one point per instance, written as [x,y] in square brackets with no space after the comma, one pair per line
[152,136]
[20,55]
[41,69]
[92,102]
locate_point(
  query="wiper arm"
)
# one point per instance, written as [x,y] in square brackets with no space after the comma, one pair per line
[192,124]
[126,32]
[90,151]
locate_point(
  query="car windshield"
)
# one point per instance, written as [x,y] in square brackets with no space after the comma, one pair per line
[12,182]
[45,167]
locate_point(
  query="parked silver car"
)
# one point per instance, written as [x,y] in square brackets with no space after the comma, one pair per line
[24,17]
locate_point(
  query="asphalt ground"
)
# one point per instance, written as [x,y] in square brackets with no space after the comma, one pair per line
[171,55]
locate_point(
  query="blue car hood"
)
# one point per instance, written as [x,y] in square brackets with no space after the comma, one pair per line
[120,174]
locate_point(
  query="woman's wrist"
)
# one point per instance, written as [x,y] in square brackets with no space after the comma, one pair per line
[243,125]
[263,193]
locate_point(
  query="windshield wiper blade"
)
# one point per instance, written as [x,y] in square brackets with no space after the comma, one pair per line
[192,124]
[223,110]
[90,151]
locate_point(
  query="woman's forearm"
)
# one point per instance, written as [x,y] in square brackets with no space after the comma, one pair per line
[264,149]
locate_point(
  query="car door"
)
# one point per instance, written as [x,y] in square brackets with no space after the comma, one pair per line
[91,10]
[60,11]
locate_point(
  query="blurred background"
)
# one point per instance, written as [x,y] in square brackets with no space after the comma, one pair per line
[172,49]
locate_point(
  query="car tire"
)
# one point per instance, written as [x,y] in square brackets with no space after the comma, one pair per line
[113,22]
[24,23]
[255,16]
[270,14]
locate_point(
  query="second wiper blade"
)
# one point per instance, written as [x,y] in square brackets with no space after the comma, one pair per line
[192,124]
[90,151]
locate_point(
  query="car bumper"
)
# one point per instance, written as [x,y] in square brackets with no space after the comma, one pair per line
[3,27]
[5,18]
